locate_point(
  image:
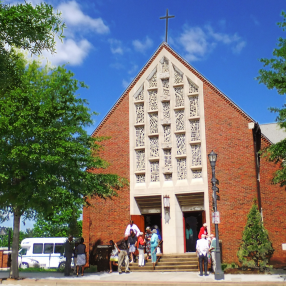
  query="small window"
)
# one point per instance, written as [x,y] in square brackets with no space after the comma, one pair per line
[23,251]
[38,248]
[59,248]
[48,248]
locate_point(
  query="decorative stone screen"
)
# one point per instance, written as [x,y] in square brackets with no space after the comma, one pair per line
[196,155]
[139,95]
[180,120]
[154,146]
[181,144]
[140,136]
[168,157]
[140,160]
[179,93]
[181,169]
[194,106]
[167,133]
[139,109]
[167,126]
[140,178]
[192,87]
[153,123]
[197,174]
[153,100]
[178,76]
[166,110]
[195,130]
[154,166]
[165,65]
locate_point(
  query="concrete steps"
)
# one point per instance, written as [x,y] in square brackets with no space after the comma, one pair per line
[187,262]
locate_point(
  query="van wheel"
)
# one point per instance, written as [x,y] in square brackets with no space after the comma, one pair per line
[24,265]
[62,265]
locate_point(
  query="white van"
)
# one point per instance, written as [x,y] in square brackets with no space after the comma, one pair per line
[48,251]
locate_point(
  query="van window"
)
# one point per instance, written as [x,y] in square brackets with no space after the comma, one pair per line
[48,248]
[37,248]
[59,248]
[23,251]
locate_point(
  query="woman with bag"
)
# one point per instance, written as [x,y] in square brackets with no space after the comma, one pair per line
[154,244]
[81,256]
[141,246]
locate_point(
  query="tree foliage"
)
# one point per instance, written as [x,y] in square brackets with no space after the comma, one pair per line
[47,157]
[256,248]
[32,28]
[274,77]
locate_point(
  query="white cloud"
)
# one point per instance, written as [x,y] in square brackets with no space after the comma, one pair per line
[142,46]
[238,47]
[125,83]
[116,46]
[198,42]
[69,51]
[74,17]
[194,41]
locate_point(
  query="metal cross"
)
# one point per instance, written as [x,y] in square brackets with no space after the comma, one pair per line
[167,17]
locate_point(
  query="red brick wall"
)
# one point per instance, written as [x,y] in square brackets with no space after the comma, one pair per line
[227,134]
[107,219]
[273,207]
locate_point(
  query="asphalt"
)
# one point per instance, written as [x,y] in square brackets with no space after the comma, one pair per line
[142,279]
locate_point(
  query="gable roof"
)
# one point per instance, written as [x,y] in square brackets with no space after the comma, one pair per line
[164,45]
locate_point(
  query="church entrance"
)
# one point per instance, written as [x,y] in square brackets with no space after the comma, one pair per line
[193,221]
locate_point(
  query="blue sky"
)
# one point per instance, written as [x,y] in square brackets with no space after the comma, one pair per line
[108,42]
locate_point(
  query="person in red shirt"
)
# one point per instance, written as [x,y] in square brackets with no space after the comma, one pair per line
[141,246]
[203,230]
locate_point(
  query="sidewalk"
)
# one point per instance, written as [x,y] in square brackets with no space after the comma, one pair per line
[142,279]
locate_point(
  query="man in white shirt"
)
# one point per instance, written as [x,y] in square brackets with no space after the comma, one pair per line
[202,250]
[133,226]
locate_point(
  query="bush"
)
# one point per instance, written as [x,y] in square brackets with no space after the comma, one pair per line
[256,249]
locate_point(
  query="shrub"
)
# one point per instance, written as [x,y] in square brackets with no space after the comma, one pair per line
[256,248]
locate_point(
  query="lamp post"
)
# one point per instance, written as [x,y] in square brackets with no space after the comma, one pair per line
[219,274]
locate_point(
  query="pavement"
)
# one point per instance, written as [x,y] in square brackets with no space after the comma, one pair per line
[142,279]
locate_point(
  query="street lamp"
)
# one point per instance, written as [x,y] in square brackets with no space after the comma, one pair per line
[219,274]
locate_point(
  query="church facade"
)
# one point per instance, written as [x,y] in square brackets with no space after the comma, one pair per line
[161,131]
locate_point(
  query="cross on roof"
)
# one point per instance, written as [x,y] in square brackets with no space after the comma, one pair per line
[167,17]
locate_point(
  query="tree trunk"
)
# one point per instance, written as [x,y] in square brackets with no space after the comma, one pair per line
[14,271]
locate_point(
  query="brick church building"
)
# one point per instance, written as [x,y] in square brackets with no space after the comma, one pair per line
[161,131]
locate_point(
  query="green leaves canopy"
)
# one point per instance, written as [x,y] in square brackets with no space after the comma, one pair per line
[45,152]
[274,77]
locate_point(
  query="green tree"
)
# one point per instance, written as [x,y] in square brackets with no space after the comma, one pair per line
[274,77]
[256,248]
[29,28]
[47,157]
[62,224]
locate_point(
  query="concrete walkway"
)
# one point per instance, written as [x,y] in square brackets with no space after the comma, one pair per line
[143,278]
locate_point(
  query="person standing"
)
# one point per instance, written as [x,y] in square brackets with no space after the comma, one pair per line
[132,226]
[113,256]
[212,250]
[154,243]
[132,240]
[148,236]
[203,230]
[81,256]
[122,248]
[68,255]
[202,250]
[141,247]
